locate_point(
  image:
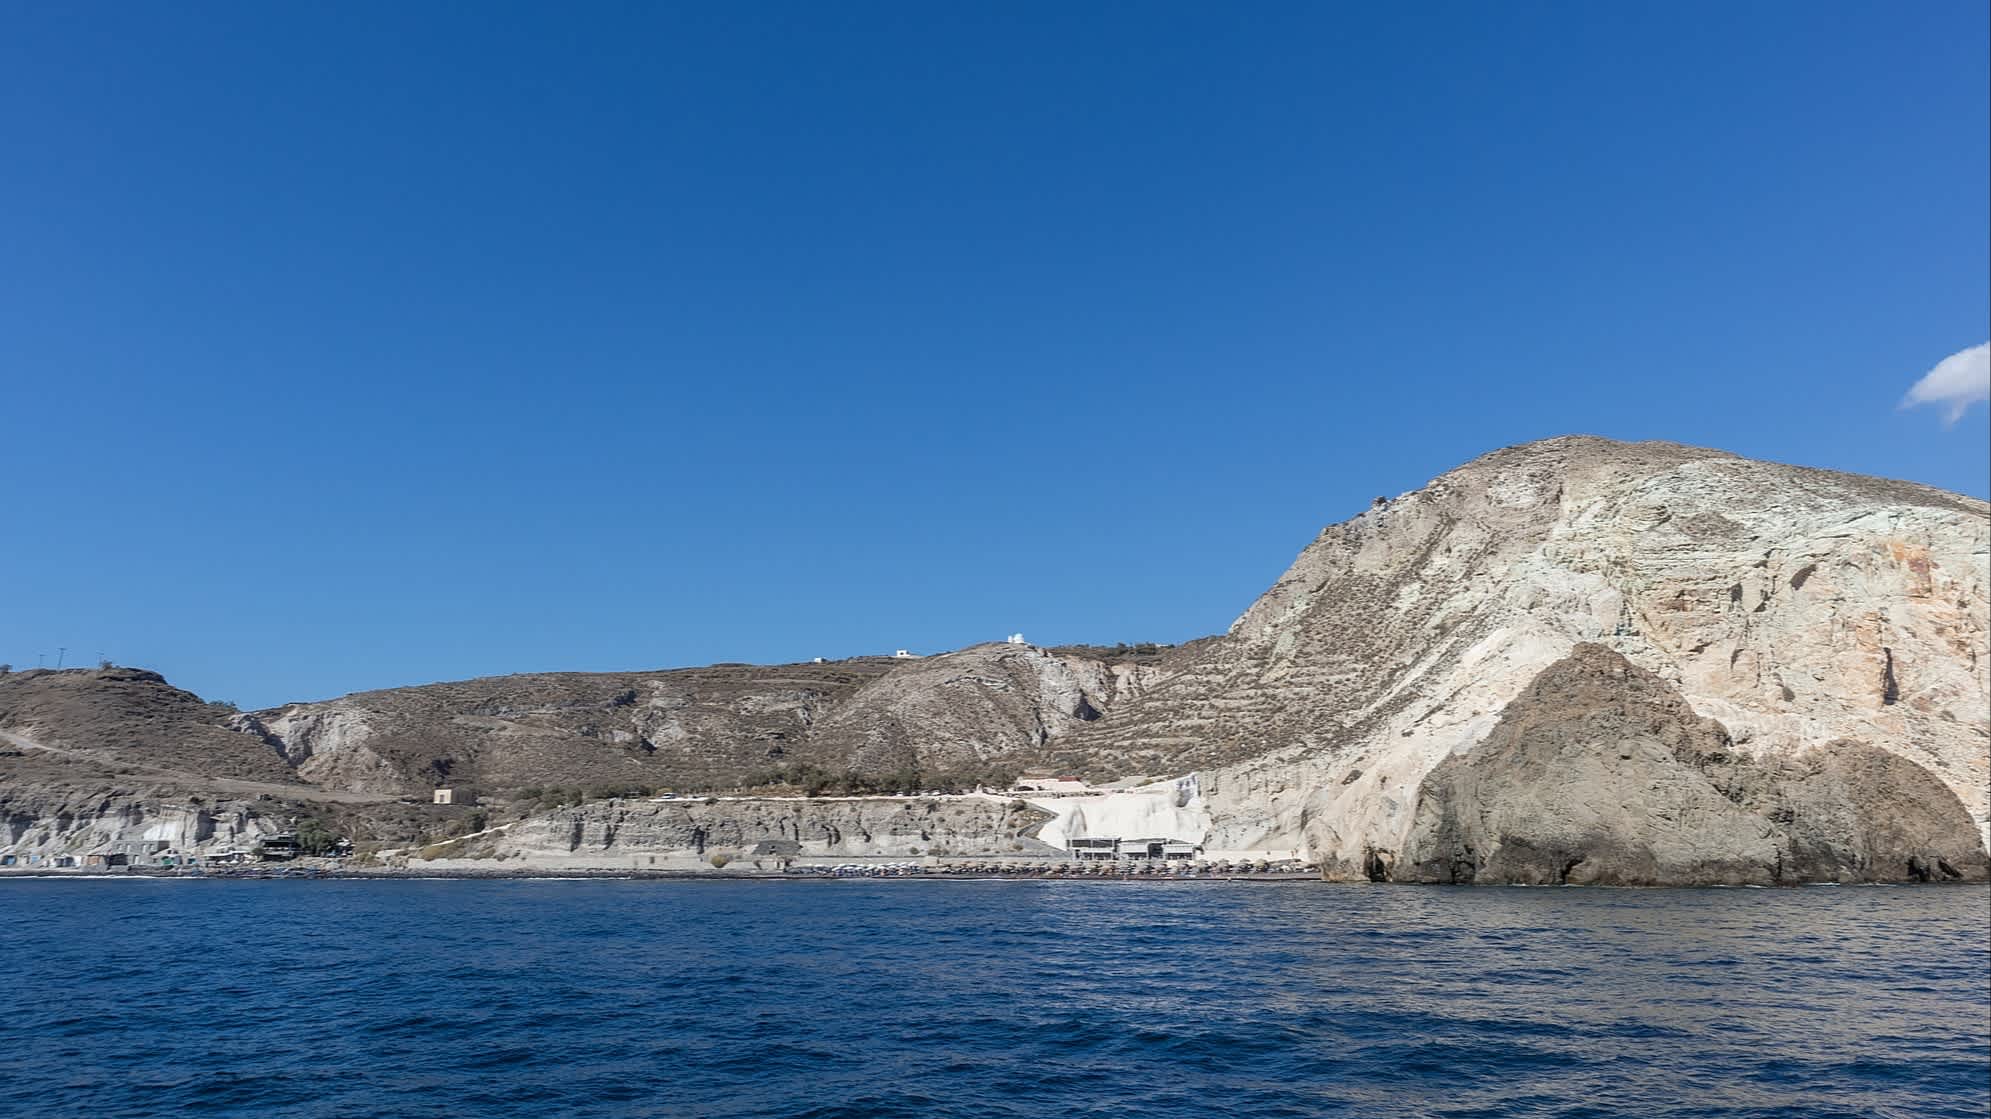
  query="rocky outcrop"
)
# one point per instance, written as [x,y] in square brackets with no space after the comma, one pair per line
[132,719]
[687,728]
[954,711]
[606,831]
[117,759]
[55,820]
[1797,607]
[699,729]
[1601,773]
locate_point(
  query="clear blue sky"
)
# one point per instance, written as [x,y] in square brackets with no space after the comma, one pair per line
[346,346]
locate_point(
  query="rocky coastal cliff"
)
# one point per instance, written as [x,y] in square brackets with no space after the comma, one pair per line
[94,758]
[1569,661]
[1601,773]
[69,819]
[1819,618]
[721,831]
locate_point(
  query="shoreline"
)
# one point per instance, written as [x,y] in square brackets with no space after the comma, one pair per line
[410,874]
[459,874]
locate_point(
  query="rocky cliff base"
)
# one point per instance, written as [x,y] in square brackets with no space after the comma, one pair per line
[1601,773]
[720,831]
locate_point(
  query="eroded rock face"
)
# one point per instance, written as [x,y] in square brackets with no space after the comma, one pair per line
[327,744]
[1600,772]
[45,820]
[617,829]
[689,728]
[1797,607]
[952,711]
[701,728]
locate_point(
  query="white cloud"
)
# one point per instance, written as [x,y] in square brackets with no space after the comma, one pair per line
[1957,382]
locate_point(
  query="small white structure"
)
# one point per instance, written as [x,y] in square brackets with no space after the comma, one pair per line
[1155,821]
[455,796]
[1014,639]
[904,655]
[816,660]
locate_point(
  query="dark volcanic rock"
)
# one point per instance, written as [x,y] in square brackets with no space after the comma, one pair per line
[1601,773]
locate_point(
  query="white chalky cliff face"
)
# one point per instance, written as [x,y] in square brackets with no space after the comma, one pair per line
[1799,608]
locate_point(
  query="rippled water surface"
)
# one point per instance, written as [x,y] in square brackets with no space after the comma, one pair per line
[537,998]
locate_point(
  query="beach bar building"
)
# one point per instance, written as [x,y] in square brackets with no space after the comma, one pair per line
[1118,827]
[1163,849]
[1092,847]
[1102,848]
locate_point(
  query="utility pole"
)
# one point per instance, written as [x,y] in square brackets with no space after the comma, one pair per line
[61,654]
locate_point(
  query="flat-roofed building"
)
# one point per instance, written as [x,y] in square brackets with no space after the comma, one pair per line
[1093,847]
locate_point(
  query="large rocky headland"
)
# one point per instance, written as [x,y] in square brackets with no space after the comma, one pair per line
[1571,661]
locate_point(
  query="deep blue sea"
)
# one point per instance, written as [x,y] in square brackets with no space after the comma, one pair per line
[875,999]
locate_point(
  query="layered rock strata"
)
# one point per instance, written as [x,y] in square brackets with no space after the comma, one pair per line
[1799,608]
[608,832]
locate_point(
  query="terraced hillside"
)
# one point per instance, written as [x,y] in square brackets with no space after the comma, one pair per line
[1799,608]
